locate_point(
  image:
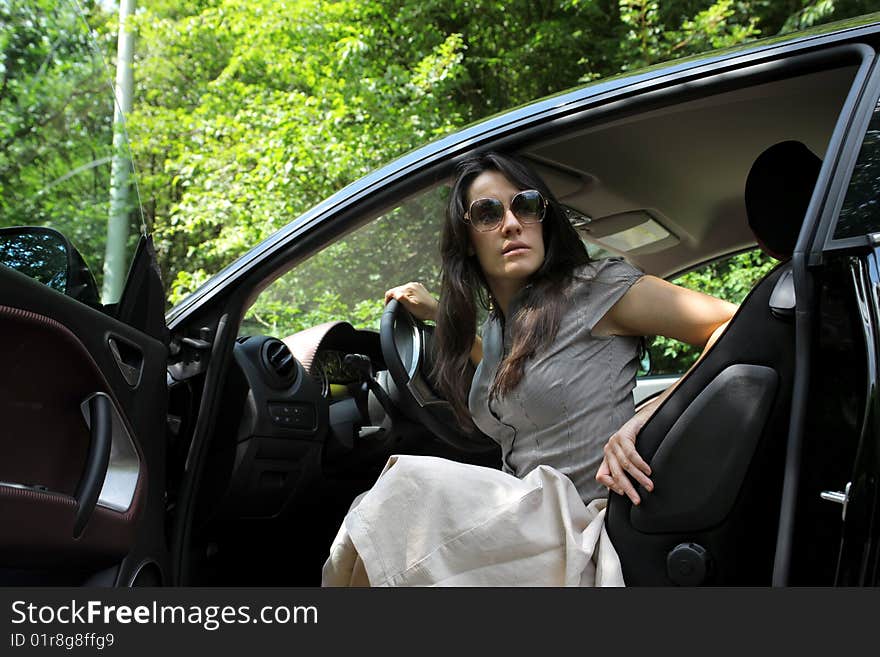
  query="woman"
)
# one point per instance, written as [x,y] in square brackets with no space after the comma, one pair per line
[550,380]
[563,334]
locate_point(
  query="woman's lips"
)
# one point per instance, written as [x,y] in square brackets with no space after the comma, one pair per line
[516,251]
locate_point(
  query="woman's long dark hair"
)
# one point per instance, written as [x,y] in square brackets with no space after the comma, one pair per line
[463,286]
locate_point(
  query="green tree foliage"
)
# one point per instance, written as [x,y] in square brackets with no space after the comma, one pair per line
[248,112]
[283,104]
[56,112]
[728,278]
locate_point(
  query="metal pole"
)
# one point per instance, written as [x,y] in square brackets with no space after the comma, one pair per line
[115,261]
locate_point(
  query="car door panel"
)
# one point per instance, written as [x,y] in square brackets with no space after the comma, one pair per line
[858,557]
[57,353]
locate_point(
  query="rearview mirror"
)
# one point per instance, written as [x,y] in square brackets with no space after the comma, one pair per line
[47,256]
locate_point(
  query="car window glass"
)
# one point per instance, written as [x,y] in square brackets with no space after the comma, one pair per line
[860,213]
[347,280]
[56,128]
[728,278]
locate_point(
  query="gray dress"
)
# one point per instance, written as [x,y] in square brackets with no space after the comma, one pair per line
[573,395]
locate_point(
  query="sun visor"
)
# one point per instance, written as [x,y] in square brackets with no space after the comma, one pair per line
[635,232]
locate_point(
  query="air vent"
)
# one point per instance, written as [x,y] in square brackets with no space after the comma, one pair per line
[279,361]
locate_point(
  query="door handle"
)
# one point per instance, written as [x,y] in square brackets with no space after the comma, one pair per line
[89,487]
[838,498]
[129,359]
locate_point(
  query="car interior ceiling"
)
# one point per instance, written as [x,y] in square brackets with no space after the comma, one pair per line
[685,164]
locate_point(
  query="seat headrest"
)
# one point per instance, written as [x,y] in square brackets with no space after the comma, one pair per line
[778,190]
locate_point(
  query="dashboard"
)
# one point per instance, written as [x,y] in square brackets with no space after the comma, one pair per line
[307,421]
[305,424]
[289,408]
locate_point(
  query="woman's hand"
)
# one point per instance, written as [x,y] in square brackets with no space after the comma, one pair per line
[416,299]
[621,457]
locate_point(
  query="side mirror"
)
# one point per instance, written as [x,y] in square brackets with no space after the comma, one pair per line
[47,256]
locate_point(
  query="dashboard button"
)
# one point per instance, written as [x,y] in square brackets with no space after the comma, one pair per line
[292,415]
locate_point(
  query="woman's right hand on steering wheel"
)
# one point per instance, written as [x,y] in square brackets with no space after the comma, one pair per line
[416,299]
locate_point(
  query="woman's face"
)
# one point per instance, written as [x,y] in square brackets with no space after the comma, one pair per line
[513,251]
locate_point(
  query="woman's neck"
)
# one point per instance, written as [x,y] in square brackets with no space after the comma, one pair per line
[503,293]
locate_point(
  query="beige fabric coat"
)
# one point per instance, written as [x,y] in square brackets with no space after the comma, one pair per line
[433,522]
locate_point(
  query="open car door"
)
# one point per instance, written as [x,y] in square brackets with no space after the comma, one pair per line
[83,399]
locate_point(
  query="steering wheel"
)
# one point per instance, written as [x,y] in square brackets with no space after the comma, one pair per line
[406,348]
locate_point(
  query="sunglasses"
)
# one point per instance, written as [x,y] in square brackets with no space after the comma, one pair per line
[486,214]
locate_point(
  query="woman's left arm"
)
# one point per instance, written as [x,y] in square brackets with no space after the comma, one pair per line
[654,307]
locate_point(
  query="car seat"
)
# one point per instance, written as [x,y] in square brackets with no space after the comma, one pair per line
[716,445]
